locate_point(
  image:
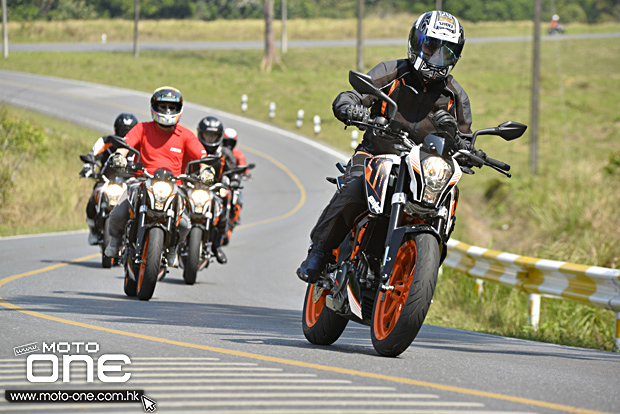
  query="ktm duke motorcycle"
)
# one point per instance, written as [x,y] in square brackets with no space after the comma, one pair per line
[386,271]
[110,186]
[205,206]
[156,208]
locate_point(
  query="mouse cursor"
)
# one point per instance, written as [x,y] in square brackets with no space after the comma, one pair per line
[149,405]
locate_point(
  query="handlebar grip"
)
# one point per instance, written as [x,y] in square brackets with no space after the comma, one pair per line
[499,164]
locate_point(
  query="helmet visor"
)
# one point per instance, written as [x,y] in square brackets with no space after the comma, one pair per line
[436,52]
[168,108]
[209,137]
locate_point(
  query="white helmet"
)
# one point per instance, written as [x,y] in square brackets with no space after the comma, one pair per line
[436,41]
[171,99]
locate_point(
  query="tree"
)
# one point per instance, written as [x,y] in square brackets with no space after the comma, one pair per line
[271,55]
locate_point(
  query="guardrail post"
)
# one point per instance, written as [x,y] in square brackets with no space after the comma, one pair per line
[300,118]
[617,333]
[317,124]
[533,310]
[354,135]
[479,287]
[244,102]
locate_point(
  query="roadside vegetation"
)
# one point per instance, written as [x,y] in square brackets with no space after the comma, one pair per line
[568,211]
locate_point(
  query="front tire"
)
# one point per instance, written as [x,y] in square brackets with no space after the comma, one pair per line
[321,325]
[151,263]
[194,253]
[399,314]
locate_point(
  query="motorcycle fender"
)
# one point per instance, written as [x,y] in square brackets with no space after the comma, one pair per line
[397,238]
[377,173]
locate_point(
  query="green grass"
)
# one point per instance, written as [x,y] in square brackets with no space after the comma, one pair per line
[569,211]
[219,30]
[47,193]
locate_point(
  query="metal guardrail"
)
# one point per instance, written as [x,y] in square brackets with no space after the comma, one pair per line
[589,285]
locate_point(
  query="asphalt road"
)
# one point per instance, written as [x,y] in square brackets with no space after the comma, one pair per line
[233,343]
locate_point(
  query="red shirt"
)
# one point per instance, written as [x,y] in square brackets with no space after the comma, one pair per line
[163,149]
[239,157]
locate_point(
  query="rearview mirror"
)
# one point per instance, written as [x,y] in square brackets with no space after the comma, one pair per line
[511,130]
[362,83]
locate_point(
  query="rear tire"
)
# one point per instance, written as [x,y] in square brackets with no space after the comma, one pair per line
[194,253]
[106,262]
[148,271]
[399,314]
[321,325]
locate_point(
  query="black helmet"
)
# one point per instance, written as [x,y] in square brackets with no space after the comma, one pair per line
[436,41]
[210,130]
[170,115]
[123,123]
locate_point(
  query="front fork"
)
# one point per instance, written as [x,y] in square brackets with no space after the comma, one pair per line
[396,234]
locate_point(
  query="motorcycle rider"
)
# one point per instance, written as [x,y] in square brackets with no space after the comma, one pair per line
[555,27]
[230,141]
[163,143]
[210,133]
[98,156]
[429,100]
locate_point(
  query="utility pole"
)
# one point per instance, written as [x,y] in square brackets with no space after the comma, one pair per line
[535,89]
[284,44]
[360,35]
[136,18]
[5,31]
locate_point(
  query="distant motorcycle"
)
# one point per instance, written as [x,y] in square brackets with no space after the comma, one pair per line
[113,185]
[205,205]
[385,272]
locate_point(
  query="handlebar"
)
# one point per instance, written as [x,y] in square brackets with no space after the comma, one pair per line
[496,163]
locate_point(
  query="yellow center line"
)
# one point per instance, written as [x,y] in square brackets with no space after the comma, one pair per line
[302,190]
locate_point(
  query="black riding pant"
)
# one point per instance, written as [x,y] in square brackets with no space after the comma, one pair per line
[347,204]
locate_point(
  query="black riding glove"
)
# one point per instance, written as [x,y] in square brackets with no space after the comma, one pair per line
[357,113]
[443,121]
[207,176]
[88,169]
[118,161]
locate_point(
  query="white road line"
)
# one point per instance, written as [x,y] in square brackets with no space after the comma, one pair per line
[202,373]
[219,374]
[322,395]
[174,359]
[94,408]
[135,384]
[316,403]
[277,388]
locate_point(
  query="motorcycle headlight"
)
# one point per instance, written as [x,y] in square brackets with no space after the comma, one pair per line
[114,192]
[223,192]
[161,192]
[437,173]
[200,198]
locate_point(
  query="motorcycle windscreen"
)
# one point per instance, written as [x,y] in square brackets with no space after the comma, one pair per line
[377,174]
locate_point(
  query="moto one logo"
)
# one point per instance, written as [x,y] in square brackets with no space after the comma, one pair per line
[26,349]
[106,363]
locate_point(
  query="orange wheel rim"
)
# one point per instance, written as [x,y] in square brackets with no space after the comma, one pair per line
[390,303]
[313,310]
[145,252]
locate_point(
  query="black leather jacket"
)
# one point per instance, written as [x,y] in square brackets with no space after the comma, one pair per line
[415,99]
